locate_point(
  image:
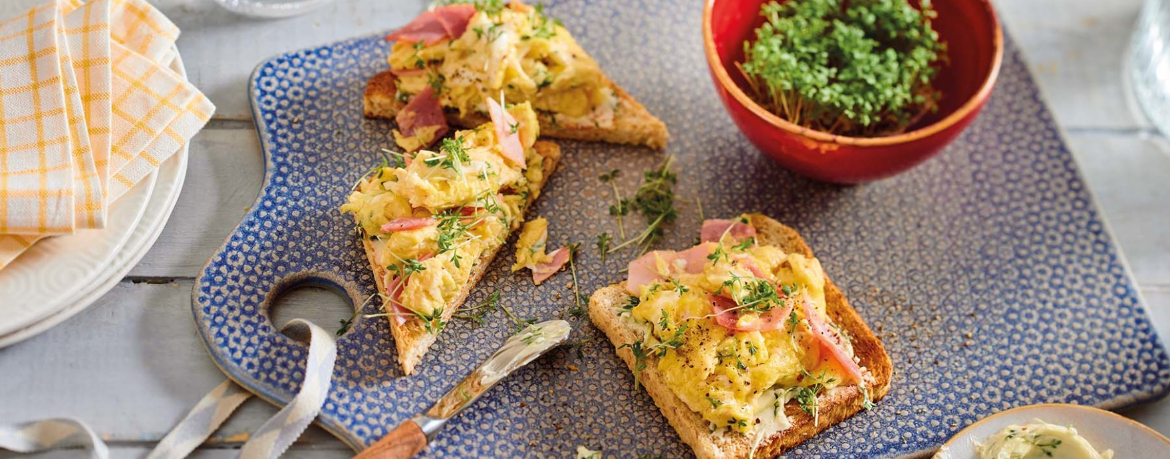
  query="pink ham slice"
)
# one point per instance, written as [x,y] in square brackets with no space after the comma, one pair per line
[509,138]
[543,271]
[454,18]
[727,317]
[436,25]
[830,343]
[422,111]
[408,224]
[714,229]
[644,270]
[752,267]
[696,257]
[394,290]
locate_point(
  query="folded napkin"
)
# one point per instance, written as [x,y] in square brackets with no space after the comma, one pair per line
[89,107]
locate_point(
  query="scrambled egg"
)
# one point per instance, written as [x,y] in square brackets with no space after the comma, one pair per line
[530,246]
[422,137]
[474,198]
[516,51]
[731,376]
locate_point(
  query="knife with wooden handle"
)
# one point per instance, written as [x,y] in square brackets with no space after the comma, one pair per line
[412,436]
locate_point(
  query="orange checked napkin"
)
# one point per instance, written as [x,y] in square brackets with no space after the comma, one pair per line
[89,107]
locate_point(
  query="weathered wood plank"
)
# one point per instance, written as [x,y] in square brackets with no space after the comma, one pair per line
[1076,50]
[223,178]
[133,365]
[1127,174]
[221,49]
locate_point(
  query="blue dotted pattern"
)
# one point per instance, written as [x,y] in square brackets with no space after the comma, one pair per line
[987,272]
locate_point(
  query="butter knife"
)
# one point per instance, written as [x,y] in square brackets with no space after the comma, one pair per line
[412,436]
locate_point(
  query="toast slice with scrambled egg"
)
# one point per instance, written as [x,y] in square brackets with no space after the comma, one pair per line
[432,224]
[701,377]
[471,53]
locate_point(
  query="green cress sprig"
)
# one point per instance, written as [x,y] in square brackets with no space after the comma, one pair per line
[806,396]
[848,67]
[477,313]
[579,301]
[620,206]
[655,201]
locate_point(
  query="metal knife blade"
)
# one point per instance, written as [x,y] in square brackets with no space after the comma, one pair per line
[518,351]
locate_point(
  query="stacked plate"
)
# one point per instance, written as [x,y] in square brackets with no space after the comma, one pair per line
[61,276]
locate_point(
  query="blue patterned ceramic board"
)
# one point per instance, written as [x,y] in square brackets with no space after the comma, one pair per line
[987,272]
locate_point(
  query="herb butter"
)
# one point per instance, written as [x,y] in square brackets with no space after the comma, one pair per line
[1037,440]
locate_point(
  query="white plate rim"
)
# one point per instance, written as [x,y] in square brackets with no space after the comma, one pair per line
[99,288]
[966,432]
[133,243]
[141,192]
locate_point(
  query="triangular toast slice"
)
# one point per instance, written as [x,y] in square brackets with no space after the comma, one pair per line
[835,405]
[412,337]
[615,117]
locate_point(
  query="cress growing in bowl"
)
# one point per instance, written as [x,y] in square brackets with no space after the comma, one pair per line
[974,53]
[859,68]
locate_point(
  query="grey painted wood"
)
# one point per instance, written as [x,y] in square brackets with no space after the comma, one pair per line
[222,49]
[133,365]
[1076,49]
[223,178]
[98,366]
[1130,178]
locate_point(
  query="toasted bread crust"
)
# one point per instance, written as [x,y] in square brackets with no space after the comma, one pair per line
[835,405]
[411,339]
[633,124]
[380,98]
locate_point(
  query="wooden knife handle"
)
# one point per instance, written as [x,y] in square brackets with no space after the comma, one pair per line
[403,442]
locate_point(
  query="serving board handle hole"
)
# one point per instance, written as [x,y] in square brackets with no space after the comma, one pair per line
[321,298]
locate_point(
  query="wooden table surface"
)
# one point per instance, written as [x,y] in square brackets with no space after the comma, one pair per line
[132,364]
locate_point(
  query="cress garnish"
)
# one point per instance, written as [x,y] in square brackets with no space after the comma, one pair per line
[654,199]
[477,313]
[860,68]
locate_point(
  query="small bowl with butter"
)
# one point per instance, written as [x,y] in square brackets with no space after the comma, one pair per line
[1055,431]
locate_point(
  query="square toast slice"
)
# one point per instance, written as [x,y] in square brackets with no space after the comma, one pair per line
[835,405]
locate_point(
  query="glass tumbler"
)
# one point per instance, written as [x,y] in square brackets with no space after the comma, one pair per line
[272,8]
[1149,63]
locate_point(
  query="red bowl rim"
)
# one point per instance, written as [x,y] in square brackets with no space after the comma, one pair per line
[971,105]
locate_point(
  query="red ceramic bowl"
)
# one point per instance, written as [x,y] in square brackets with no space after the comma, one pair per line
[974,46]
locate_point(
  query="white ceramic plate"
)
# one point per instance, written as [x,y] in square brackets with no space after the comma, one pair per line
[1103,429]
[48,288]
